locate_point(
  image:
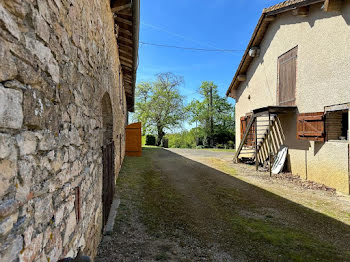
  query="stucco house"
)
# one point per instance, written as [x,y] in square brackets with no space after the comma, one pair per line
[67,81]
[292,88]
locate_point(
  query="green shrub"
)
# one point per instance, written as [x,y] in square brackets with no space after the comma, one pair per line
[150,140]
[185,139]
[230,144]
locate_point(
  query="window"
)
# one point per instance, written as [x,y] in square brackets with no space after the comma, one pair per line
[332,124]
[287,64]
[337,125]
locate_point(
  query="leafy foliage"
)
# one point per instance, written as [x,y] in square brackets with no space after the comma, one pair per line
[159,105]
[201,112]
[150,140]
[185,139]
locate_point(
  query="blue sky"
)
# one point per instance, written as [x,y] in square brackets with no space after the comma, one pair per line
[219,24]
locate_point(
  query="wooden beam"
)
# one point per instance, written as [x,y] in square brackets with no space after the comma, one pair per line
[125,54]
[121,8]
[301,11]
[125,31]
[270,18]
[125,63]
[125,39]
[241,78]
[124,46]
[332,5]
[123,20]
[126,59]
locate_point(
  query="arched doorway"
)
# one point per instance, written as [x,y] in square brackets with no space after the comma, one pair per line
[108,183]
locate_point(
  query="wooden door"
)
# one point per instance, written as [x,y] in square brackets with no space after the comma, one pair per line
[287,65]
[108,179]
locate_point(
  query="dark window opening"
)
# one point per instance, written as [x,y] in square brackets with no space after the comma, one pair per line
[345,125]
[337,125]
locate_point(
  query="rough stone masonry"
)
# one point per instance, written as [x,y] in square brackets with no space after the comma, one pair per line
[58,59]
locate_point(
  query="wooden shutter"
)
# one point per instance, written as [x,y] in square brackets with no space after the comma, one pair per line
[287,65]
[251,136]
[243,121]
[310,126]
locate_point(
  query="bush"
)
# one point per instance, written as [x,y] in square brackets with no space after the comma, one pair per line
[230,144]
[185,139]
[150,140]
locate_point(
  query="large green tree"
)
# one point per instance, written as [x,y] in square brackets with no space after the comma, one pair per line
[159,105]
[212,114]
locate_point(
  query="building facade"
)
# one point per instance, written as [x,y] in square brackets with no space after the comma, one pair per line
[299,58]
[67,77]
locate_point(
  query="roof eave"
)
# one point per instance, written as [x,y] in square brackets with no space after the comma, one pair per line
[265,14]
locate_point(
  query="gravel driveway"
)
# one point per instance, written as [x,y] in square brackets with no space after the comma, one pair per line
[195,205]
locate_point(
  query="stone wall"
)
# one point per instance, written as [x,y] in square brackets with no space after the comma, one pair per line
[58,59]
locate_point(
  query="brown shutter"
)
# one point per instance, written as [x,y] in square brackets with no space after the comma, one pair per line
[310,126]
[251,136]
[287,65]
[243,121]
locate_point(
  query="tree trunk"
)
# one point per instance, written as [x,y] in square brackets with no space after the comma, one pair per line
[160,136]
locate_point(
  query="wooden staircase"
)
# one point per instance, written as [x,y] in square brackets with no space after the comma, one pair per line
[262,136]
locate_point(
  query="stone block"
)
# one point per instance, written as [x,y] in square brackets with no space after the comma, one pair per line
[42,29]
[9,23]
[28,234]
[8,207]
[34,109]
[59,215]
[27,142]
[11,253]
[54,245]
[11,115]
[8,171]
[18,8]
[70,226]
[45,56]
[7,224]
[47,141]
[8,69]
[15,84]
[43,210]
[33,250]
[6,145]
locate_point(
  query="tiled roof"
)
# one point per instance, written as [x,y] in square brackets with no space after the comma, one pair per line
[282,5]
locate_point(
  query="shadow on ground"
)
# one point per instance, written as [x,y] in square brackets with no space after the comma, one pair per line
[176,209]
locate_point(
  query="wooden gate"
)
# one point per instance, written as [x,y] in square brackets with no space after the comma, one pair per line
[108,179]
[133,143]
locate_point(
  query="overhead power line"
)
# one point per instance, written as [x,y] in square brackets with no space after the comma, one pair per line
[192,48]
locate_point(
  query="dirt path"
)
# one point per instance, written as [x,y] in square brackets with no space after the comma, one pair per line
[182,205]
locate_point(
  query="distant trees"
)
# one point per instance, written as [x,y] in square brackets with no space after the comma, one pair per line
[159,105]
[212,114]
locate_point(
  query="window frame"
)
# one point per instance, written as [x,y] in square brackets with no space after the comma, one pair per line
[335,108]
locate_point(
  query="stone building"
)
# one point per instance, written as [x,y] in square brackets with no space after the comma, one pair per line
[296,70]
[67,77]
